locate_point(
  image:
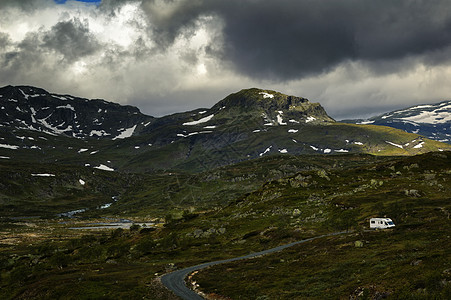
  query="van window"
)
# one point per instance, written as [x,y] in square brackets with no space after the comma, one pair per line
[372,222]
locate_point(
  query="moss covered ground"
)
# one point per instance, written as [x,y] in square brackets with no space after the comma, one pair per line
[232,211]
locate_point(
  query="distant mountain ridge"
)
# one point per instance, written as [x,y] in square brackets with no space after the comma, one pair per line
[430,120]
[39,126]
[33,108]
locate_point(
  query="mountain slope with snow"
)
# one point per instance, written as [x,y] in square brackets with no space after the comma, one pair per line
[37,126]
[31,108]
[430,120]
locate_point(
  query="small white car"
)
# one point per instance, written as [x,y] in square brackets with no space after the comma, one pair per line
[381,223]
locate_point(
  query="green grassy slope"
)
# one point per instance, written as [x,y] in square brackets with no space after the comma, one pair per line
[48,189]
[326,194]
[412,261]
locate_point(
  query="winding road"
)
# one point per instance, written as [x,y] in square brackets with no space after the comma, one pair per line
[175,281]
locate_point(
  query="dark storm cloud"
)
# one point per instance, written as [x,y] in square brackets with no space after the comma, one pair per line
[72,39]
[289,39]
[4,40]
[284,39]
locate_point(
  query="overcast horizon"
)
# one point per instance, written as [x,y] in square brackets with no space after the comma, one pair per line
[357,58]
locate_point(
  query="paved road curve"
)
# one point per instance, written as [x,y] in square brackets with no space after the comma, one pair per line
[175,281]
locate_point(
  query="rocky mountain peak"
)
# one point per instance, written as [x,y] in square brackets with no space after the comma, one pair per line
[272,104]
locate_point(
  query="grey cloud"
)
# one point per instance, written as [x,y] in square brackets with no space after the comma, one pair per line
[284,39]
[5,40]
[26,5]
[290,39]
[72,39]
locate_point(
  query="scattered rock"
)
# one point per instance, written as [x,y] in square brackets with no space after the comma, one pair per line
[412,193]
[358,244]
[416,262]
[429,176]
[323,174]
[296,212]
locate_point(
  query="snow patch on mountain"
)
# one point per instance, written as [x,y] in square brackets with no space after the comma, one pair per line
[68,106]
[310,119]
[266,95]
[366,122]
[43,175]
[396,145]
[12,147]
[341,151]
[200,121]
[420,145]
[437,116]
[104,168]
[192,133]
[59,97]
[126,133]
[280,119]
[98,133]
[266,151]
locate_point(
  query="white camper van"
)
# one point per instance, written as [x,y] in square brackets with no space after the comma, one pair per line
[381,223]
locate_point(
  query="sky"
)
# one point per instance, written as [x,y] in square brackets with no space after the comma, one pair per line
[358,58]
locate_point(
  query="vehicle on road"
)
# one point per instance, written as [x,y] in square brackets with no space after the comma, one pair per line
[381,223]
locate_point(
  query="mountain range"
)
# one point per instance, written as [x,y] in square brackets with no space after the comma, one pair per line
[38,126]
[430,120]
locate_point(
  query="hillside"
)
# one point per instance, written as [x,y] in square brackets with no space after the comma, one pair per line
[37,127]
[305,197]
[412,191]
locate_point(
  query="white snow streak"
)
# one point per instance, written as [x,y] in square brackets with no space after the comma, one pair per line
[310,119]
[126,133]
[68,106]
[365,122]
[200,121]
[396,145]
[266,95]
[103,167]
[420,145]
[266,151]
[13,147]
[43,175]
